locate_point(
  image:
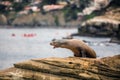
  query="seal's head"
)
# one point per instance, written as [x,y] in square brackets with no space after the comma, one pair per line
[56,43]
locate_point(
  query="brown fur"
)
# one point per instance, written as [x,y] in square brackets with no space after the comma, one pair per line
[78,47]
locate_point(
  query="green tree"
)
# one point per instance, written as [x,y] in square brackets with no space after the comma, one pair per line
[49,2]
[2,8]
[20,6]
[70,12]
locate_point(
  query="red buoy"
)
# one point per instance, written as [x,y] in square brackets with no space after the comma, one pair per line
[29,35]
[13,35]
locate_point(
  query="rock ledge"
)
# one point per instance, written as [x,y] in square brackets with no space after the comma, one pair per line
[71,68]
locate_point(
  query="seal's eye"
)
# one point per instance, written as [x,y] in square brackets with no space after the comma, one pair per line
[53,39]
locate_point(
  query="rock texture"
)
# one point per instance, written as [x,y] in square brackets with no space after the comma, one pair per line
[54,18]
[71,68]
[107,24]
[104,25]
[35,19]
[3,19]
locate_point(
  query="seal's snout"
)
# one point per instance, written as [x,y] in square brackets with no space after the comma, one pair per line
[54,43]
[51,43]
[54,46]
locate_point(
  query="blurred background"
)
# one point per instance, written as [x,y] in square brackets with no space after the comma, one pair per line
[28,26]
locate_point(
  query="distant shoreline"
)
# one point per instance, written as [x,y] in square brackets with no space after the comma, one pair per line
[36,27]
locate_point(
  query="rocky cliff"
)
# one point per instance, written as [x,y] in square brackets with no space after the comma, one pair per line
[106,24]
[103,25]
[3,19]
[71,68]
[67,16]
[54,18]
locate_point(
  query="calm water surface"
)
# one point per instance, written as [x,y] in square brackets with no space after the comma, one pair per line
[16,45]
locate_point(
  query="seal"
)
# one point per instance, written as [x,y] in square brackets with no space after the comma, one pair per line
[78,47]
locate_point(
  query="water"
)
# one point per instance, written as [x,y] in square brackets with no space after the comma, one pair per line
[15,46]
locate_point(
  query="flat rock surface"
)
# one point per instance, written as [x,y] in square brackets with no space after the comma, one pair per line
[71,68]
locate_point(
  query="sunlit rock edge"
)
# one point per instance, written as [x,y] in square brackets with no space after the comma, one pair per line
[70,68]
